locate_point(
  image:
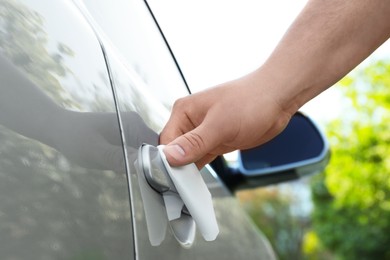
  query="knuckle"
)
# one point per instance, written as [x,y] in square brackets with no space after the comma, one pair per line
[195,140]
[180,104]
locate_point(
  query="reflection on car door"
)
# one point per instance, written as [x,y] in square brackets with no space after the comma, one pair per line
[63,187]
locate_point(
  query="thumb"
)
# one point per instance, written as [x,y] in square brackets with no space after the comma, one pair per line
[191,146]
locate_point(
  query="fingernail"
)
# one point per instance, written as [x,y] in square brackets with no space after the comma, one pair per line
[175,151]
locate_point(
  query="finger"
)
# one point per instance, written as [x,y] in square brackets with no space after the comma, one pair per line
[177,125]
[193,145]
[205,160]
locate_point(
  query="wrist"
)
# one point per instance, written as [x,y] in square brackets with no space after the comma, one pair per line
[286,92]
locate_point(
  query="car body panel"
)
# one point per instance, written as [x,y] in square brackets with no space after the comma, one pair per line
[139,90]
[58,197]
[67,191]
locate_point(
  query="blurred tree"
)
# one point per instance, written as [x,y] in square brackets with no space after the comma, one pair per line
[351,216]
[273,210]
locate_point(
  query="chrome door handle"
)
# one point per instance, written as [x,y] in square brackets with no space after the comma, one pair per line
[183,194]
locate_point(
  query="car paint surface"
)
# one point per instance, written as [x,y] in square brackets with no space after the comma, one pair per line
[67,191]
[60,196]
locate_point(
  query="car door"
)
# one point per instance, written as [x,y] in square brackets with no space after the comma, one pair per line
[63,186]
[147,82]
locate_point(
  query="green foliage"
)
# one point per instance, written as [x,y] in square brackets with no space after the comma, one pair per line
[352,198]
[271,209]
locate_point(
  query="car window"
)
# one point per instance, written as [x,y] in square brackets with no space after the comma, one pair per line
[63,186]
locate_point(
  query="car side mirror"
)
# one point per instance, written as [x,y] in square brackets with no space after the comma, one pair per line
[299,150]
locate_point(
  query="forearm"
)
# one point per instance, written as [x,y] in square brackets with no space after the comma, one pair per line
[327,40]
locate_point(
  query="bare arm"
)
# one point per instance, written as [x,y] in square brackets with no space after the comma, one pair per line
[327,40]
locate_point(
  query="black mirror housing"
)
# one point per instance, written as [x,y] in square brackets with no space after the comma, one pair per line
[299,150]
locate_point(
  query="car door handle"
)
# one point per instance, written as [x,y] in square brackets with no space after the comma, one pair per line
[182,193]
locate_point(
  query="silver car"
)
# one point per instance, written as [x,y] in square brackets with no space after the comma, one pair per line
[83,85]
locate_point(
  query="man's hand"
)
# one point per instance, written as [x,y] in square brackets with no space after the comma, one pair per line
[326,41]
[236,115]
